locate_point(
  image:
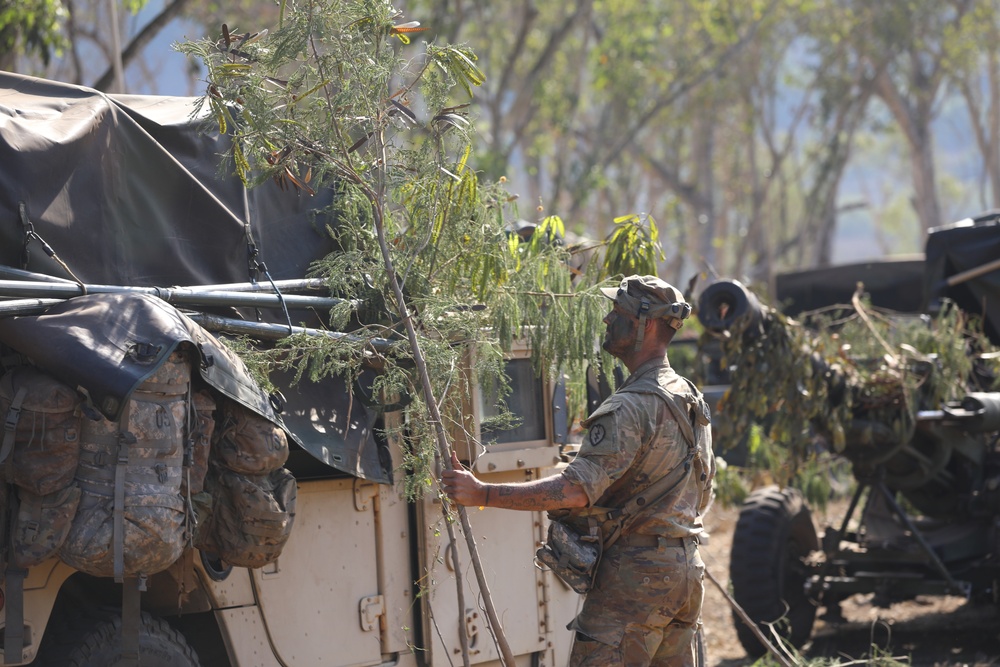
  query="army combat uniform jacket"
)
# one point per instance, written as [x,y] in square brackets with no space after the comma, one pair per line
[646,602]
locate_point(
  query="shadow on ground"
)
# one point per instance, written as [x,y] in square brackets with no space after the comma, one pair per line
[966,637]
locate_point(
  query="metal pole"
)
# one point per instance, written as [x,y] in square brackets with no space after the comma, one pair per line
[267,331]
[26,306]
[956,587]
[292,284]
[289,284]
[965,276]
[19,288]
[11,272]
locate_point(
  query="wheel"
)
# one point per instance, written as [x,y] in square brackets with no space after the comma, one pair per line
[159,645]
[773,536]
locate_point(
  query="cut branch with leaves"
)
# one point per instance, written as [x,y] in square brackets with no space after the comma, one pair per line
[326,103]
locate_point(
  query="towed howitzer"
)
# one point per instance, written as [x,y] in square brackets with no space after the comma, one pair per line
[923,519]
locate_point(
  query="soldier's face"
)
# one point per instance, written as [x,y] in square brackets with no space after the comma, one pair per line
[619,337]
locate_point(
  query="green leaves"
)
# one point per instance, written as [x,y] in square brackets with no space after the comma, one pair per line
[33,27]
[633,247]
[851,381]
[459,64]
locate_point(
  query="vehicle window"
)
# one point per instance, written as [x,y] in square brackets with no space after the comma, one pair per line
[526,401]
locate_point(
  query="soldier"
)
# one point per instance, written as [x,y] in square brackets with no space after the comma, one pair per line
[645,605]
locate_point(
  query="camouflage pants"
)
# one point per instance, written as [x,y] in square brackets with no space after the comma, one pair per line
[644,609]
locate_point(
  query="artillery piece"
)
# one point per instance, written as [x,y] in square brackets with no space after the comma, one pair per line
[923,519]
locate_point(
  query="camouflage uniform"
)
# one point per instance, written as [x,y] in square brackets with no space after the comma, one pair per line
[645,606]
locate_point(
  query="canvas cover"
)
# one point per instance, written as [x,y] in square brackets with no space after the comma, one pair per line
[132,190]
[973,243]
[895,284]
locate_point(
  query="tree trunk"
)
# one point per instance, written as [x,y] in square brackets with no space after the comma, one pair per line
[140,41]
[704,153]
[924,184]
[914,119]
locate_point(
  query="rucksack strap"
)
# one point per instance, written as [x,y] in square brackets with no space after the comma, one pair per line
[10,425]
[191,425]
[125,440]
[13,633]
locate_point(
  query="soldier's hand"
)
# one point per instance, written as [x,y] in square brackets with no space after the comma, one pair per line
[461,487]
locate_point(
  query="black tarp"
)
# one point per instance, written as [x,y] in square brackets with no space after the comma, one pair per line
[962,247]
[107,344]
[894,283]
[128,190]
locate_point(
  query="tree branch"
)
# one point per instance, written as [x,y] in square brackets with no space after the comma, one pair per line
[141,40]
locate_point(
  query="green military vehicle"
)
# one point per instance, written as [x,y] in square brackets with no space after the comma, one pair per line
[100,192]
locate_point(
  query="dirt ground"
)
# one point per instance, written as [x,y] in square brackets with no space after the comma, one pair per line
[928,632]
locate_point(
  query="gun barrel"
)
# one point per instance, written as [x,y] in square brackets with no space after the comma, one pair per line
[980,412]
[724,303]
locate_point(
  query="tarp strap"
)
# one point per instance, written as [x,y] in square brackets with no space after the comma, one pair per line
[31,235]
[26,229]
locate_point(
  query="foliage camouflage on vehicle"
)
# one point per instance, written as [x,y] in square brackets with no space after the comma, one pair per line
[822,370]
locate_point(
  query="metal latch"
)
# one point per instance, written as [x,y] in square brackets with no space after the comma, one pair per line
[364,492]
[369,611]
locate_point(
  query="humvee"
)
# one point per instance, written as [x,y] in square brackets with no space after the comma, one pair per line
[126,191]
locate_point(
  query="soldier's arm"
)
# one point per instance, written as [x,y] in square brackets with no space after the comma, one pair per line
[551,493]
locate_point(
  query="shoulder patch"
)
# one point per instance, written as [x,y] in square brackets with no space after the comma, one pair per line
[597,434]
[706,412]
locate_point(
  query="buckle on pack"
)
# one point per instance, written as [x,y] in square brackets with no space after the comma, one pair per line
[13,416]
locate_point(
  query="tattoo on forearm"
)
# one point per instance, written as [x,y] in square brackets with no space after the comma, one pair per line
[555,493]
[543,494]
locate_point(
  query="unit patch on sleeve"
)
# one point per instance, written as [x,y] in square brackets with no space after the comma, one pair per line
[596,434]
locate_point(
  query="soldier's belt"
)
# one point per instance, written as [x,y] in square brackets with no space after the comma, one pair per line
[636,540]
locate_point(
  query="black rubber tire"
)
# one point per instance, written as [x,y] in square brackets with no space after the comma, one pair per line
[773,536]
[159,645]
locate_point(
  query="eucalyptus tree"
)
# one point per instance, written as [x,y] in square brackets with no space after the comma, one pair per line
[73,40]
[977,78]
[593,99]
[841,86]
[31,28]
[907,49]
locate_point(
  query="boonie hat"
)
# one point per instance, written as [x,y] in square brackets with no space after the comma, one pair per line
[650,297]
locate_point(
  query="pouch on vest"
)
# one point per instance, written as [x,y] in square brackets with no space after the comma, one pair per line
[572,556]
[248,443]
[251,516]
[42,524]
[41,431]
[131,517]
